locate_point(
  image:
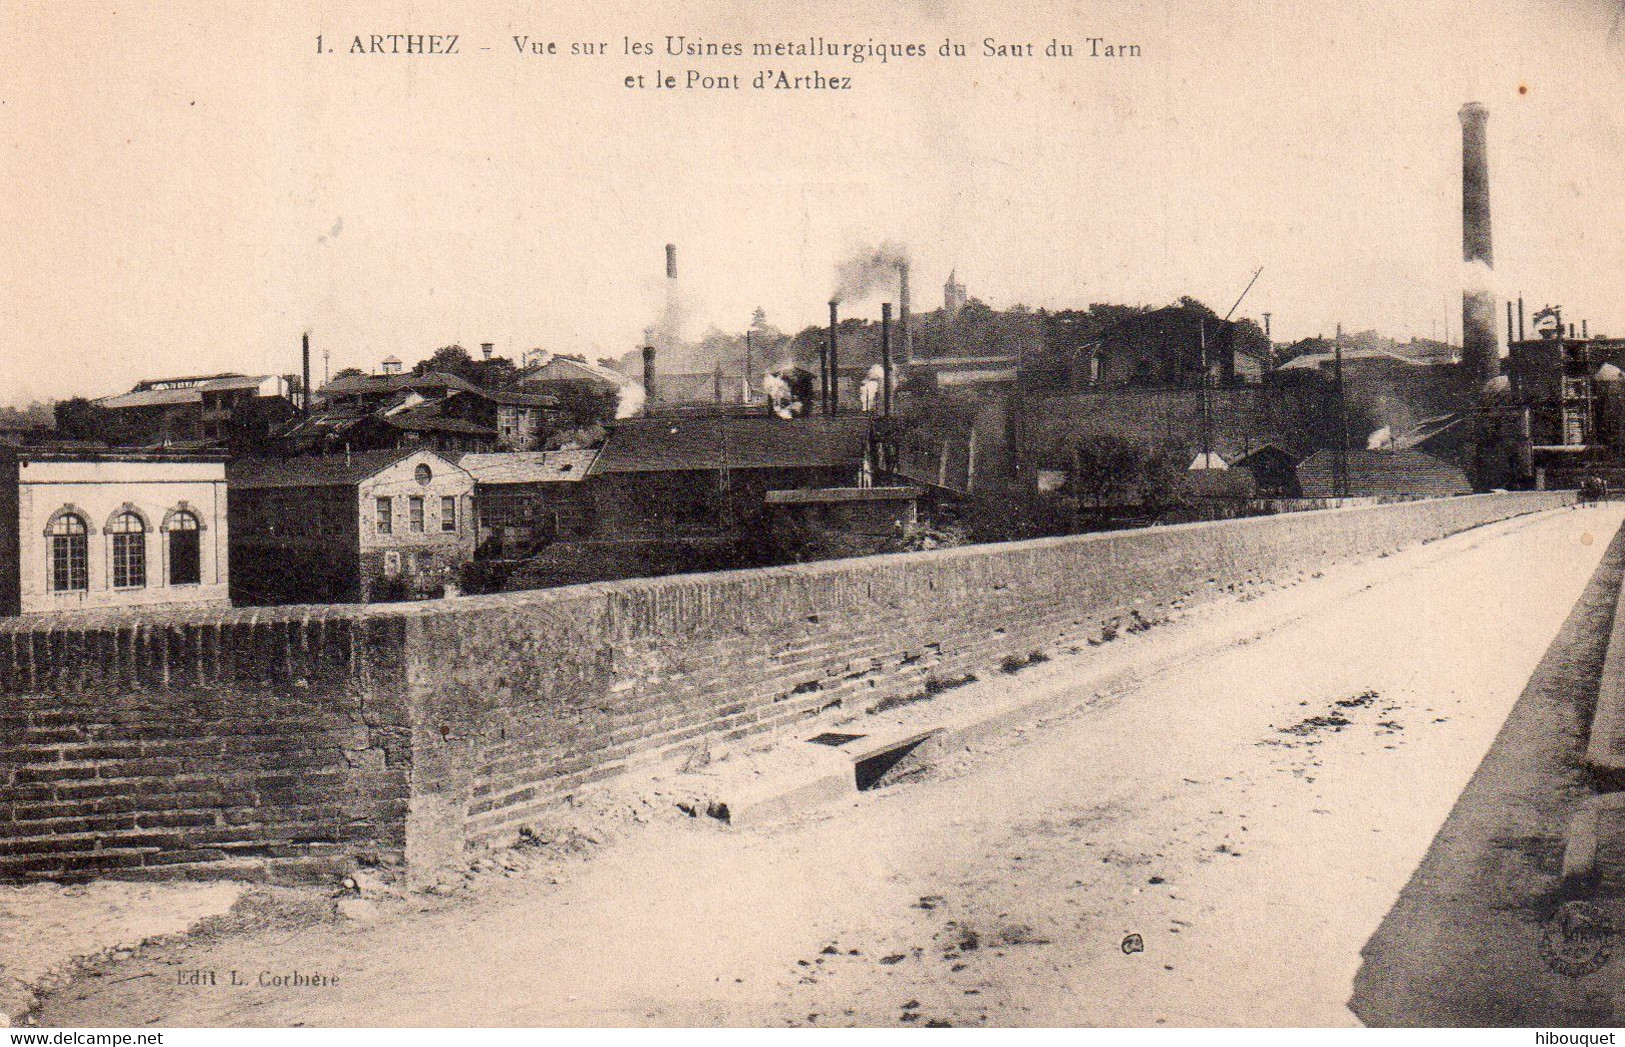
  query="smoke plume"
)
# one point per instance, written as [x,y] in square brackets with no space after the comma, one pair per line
[1478,278]
[867,270]
[779,395]
[869,391]
[630,400]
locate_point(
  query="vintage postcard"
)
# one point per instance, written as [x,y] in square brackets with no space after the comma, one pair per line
[823,515]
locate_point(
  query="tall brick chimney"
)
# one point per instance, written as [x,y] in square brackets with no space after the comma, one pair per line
[1481,358]
[648,374]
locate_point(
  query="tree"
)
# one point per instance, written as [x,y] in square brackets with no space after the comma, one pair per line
[79,419]
[350,372]
[498,372]
[1251,339]
[1189,304]
[1104,468]
[585,403]
[448,359]
[35,416]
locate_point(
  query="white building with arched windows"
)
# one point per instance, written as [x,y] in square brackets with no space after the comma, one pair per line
[88,530]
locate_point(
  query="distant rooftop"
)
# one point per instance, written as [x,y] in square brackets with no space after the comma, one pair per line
[559,369]
[1378,474]
[721,441]
[163,392]
[385,384]
[525,467]
[70,451]
[323,470]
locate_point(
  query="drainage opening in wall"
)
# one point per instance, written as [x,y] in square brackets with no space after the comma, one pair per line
[882,768]
[834,738]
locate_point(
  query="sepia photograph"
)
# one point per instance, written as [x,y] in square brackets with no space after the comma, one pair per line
[841,515]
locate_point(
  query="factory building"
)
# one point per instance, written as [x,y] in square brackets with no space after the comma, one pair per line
[106,530]
[348,528]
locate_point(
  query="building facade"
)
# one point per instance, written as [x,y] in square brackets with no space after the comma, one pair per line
[529,499]
[377,526]
[86,531]
[662,477]
[205,407]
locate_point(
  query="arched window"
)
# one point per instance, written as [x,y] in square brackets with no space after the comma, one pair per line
[70,554]
[185,549]
[129,533]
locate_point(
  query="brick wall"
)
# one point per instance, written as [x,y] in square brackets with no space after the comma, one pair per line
[199,744]
[537,694]
[293,740]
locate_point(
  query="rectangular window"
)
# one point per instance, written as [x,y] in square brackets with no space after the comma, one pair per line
[414,506]
[386,515]
[70,566]
[129,561]
[448,514]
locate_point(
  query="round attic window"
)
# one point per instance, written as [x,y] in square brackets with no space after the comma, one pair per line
[424,474]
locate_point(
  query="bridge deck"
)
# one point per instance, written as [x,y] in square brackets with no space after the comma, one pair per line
[1251,815]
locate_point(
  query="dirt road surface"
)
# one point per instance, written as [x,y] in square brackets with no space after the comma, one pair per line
[1250,817]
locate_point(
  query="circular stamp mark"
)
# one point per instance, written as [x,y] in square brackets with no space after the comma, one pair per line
[1577,941]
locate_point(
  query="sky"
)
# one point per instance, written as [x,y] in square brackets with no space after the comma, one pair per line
[187,190]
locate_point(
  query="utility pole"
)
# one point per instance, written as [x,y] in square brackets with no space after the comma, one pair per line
[1207,408]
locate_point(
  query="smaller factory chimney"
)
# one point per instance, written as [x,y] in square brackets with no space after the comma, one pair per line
[885,359]
[1520,318]
[906,325]
[486,348]
[834,387]
[823,377]
[1509,321]
[744,384]
[648,374]
[304,388]
[671,261]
